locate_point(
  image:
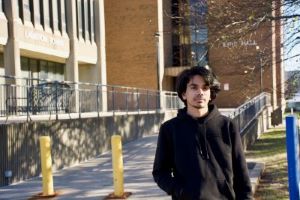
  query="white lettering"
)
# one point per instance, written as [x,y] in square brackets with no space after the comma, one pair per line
[239,43]
[44,38]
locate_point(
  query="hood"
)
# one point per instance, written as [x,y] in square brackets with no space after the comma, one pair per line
[201,128]
[212,112]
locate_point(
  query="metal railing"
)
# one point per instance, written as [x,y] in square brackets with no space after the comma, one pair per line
[54,97]
[247,112]
[22,98]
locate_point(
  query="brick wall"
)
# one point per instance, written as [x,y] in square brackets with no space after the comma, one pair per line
[130,43]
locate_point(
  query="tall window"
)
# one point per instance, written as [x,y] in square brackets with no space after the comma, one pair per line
[59,15]
[91,19]
[32,13]
[20,6]
[189,35]
[42,13]
[199,32]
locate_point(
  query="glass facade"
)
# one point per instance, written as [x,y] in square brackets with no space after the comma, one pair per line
[190,32]
[42,69]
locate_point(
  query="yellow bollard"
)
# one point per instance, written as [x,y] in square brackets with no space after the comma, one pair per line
[46,162]
[117,161]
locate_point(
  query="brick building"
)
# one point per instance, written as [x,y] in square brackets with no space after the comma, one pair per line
[137,43]
[185,40]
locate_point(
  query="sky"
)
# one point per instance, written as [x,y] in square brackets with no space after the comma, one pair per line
[290,28]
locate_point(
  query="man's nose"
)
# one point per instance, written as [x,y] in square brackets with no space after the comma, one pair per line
[200,91]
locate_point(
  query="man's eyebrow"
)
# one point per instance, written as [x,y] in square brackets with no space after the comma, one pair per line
[192,84]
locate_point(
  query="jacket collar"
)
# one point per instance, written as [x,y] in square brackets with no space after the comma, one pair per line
[212,112]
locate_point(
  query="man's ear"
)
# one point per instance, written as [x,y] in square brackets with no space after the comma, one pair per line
[183,96]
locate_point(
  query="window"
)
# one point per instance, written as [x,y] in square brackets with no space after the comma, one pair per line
[59,15]
[51,14]
[190,34]
[42,13]
[20,6]
[32,13]
[41,69]
[91,19]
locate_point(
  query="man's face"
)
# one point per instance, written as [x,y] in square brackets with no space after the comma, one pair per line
[197,94]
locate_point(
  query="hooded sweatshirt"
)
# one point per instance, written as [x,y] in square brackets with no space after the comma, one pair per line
[201,158]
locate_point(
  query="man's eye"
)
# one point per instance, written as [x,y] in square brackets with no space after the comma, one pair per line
[206,88]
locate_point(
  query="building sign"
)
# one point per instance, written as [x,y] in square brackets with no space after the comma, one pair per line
[41,37]
[239,43]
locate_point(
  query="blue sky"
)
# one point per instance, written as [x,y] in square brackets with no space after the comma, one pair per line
[292,27]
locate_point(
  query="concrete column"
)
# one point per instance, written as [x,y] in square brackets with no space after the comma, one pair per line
[72,61]
[46,16]
[26,11]
[160,50]
[80,21]
[63,17]
[86,21]
[92,20]
[101,48]
[12,63]
[36,13]
[54,17]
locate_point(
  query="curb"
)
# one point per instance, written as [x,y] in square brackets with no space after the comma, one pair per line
[255,175]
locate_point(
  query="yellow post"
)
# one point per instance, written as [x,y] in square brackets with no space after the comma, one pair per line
[117,161]
[46,162]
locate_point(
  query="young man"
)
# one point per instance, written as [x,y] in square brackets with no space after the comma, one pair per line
[199,153]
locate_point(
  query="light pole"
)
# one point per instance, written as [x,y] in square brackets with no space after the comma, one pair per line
[260,68]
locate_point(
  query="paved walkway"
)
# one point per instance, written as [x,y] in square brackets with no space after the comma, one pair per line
[93,179]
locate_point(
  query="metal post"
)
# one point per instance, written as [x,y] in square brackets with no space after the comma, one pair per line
[117,161]
[46,163]
[292,145]
[138,99]
[97,102]
[113,99]
[56,99]
[260,68]
[147,100]
[126,100]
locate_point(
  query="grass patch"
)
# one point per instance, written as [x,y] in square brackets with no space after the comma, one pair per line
[271,149]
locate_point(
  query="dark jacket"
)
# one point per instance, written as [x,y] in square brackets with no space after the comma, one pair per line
[201,159]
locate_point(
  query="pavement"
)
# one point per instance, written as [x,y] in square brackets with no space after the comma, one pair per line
[93,179]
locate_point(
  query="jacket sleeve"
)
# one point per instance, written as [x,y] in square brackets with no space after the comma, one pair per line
[241,181]
[164,162]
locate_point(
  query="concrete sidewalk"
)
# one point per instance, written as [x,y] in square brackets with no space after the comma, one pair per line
[93,179]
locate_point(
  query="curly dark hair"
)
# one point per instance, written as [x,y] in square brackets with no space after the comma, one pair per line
[208,76]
